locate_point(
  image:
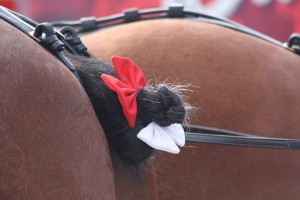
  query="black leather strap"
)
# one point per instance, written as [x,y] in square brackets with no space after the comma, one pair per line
[15,21]
[73,42]
[171,12]
[42,33]
[202,134]
[50,41]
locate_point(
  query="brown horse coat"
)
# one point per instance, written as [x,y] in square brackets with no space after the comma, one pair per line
[52,145]
[240,83]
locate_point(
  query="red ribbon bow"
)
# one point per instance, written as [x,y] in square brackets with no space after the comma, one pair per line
[131,80]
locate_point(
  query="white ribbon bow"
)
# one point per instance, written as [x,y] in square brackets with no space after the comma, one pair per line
[163,138]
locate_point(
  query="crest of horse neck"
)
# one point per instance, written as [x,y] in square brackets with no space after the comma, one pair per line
[52,145]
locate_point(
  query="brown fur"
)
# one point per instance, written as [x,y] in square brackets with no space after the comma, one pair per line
[242,84]
[52,145]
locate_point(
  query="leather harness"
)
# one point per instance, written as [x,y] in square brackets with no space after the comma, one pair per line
[87,24]
[51,39]
[56,41]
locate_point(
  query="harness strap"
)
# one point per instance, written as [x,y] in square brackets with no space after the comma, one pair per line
[151,14]
[202,134]
[46,36]
[73,42]
[13,20]
[50,41]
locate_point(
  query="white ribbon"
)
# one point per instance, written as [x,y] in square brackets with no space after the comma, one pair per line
[163,138]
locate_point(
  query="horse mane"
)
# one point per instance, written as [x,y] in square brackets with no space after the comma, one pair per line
[161,103]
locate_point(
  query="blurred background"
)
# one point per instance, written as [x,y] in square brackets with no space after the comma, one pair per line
[276,18]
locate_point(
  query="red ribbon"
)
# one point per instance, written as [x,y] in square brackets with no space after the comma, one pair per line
[131,80]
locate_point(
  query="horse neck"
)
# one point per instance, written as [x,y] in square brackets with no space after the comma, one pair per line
[52,145]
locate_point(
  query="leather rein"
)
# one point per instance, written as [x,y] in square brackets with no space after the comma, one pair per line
[56,41]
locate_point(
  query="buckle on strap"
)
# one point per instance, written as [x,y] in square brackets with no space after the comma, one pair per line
[131,15]
[176,11]
[294,43]
[48,39]
[88,24]
[73,42]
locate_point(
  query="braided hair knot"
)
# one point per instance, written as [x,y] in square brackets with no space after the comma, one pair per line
[160,104]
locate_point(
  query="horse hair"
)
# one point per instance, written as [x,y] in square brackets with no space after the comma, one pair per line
[160,103]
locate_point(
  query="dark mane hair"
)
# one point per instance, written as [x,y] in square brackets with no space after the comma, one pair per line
[160,103]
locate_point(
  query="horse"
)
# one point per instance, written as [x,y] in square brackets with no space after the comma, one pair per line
[239,82]
[53,146]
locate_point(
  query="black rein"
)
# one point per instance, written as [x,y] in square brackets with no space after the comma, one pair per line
[203,134]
